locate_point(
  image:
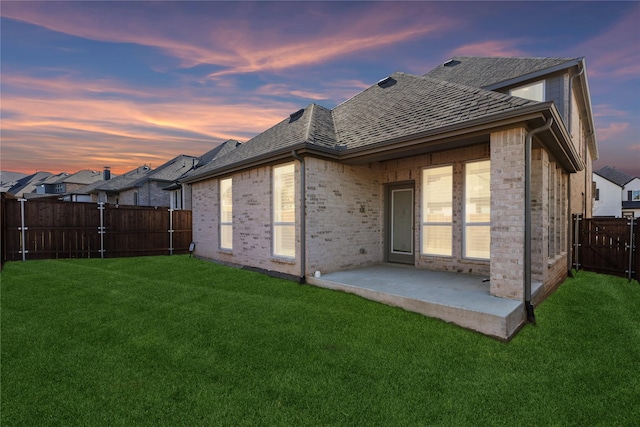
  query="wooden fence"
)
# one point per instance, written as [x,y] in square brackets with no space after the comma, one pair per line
[46,229]
[607,245]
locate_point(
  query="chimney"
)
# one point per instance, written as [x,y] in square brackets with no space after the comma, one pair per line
[107,173]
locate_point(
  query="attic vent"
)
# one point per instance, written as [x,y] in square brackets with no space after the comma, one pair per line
[387,82]
[451,63]
[295,116]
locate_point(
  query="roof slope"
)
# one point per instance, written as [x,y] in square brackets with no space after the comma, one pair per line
[29,183]
[312,126]
[410,104]
[617,177]
[173,169]
[488,71]
[124,181]
[85,177]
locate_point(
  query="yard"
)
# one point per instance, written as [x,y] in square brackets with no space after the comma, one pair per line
[181,341]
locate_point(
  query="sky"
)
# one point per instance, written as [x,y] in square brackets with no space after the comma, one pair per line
[90,84]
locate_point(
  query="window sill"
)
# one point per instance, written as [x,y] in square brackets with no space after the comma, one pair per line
[225,251]
[283,260]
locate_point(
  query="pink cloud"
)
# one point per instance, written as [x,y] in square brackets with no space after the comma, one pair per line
[238,48]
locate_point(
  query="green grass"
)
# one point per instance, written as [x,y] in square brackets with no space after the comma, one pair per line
[180,341]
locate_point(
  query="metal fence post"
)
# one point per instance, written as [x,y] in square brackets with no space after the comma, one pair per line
[631,247]
[101,229]
[170,231]
[576,240]
[23,229]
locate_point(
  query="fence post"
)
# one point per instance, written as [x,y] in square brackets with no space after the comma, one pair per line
[576,240]
[631,247]
[170,231]
[101,229]
[23,229]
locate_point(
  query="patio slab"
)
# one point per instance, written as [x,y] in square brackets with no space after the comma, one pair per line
[462,299]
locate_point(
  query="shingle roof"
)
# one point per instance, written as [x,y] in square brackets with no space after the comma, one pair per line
[617,177]
[311,125]
[488,71]
[220,150]
[124,181]
[29,183]
[411,105]
[173,169]
[85,176]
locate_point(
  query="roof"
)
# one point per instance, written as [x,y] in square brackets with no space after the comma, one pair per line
[486,72]
[219,151]
[29,183]
[403,108]
[173,169]
[413,104]
[617,177]
[85,176]
[122,182]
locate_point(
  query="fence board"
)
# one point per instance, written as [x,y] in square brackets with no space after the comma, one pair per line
[607,245]
[57,229]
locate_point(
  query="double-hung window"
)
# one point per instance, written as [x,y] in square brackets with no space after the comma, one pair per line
[477,210]
[226,214]
[284,211]
[437,209]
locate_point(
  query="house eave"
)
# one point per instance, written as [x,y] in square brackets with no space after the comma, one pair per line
[474,132]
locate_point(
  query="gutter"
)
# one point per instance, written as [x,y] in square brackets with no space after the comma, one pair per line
[531,318]
[303,218]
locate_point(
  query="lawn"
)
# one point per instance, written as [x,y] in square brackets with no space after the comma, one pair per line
[181,341]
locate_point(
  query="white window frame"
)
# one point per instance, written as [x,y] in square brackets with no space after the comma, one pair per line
[521,91]
[466,223]
[425,224]
[280,225]
[226,214]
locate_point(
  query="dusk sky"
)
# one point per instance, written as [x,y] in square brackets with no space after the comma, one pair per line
[122,84]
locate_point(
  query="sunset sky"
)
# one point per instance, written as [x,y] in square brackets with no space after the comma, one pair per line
[122,84]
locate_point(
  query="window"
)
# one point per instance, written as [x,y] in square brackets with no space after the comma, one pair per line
[59,188]
[284,211]
[437,209]
[176,199]
[226,214]
[477,210]
[135,198]
[533,91]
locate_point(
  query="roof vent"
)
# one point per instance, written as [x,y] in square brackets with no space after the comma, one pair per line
[451,63]
[387,82]
[295,116]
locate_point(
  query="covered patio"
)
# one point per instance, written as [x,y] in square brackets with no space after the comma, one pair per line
[462,299]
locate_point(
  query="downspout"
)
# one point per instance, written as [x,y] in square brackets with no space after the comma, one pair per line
[527,219]
[303,218]
[570,236]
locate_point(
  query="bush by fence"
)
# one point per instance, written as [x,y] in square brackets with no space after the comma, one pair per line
[54,229]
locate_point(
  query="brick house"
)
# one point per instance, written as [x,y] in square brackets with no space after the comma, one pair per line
[429,171]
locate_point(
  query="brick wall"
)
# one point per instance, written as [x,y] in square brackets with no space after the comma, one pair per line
[252,212]
[340,236]
[507,211]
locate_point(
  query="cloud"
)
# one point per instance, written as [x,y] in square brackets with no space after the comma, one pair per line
[220,34]
[490,48]
[615,52]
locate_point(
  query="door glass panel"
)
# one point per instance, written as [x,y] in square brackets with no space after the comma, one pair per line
[402,221]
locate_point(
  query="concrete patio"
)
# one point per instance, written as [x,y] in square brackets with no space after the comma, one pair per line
[462,299]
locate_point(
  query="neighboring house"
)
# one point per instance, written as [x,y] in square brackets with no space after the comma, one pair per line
[28,185]
[427,171]
[64,183]
[616,193]
[78,186]
[144,186]
[9,179]
[181,193]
